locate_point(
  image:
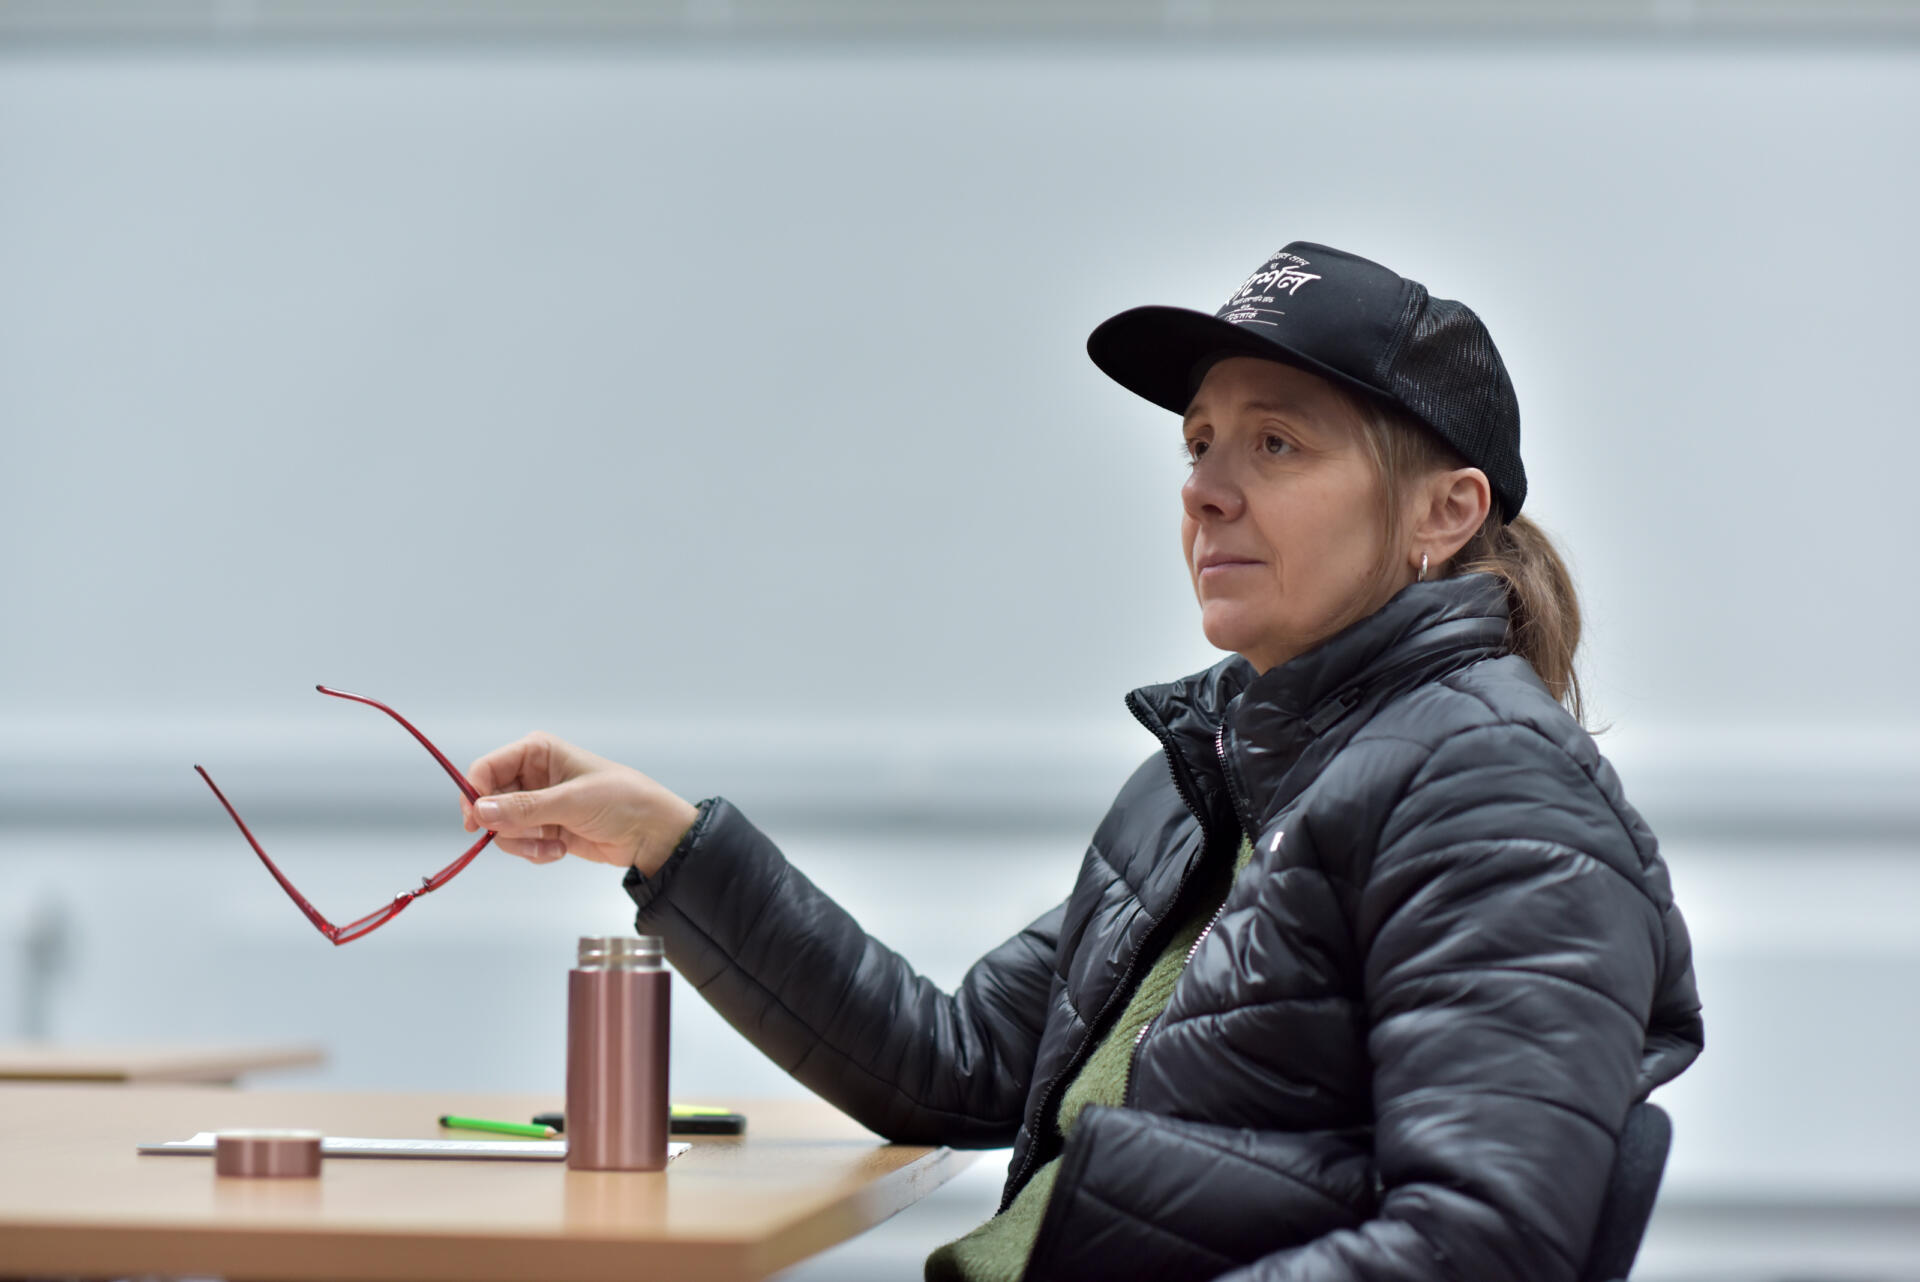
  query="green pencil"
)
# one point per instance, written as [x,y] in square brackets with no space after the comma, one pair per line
[452,1122]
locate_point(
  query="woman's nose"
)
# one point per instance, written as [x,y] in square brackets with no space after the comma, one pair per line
[1210,491]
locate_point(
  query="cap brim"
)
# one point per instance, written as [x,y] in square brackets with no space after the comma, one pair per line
[1155,352]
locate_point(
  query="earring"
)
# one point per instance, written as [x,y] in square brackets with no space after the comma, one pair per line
[1423,569]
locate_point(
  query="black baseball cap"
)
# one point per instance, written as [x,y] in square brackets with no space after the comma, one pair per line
[1351,321]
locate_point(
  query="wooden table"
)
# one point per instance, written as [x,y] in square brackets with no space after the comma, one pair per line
[218,1064]
[76,1200]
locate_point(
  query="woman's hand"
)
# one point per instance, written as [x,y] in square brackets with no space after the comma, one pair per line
[544,797]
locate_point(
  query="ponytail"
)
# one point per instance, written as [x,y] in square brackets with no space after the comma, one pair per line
[1543,611]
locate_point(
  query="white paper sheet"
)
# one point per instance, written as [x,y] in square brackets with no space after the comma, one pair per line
[201,1145]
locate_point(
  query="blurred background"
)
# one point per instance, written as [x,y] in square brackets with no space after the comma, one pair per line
[704,382]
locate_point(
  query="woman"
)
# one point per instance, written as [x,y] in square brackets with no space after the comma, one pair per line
[1360,977]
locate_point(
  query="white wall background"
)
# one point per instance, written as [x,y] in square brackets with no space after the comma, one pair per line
[726,410]
[751,386]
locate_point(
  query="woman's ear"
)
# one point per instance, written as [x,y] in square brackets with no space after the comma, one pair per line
[1451,508]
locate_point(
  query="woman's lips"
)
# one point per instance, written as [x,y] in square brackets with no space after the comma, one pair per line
[1221,567]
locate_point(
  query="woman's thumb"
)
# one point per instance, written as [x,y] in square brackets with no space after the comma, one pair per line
[511,812]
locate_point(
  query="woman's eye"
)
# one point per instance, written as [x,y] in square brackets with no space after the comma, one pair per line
[1192,450]
[1275,444]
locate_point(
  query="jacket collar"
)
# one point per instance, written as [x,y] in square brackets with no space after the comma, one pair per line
[1229,723]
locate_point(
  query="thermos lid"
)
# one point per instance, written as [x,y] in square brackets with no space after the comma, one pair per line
[622,952]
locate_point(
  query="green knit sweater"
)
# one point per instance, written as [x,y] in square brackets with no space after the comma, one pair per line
[997,1251]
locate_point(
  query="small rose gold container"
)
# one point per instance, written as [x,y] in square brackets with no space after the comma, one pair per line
[617,1028]
[255,1154]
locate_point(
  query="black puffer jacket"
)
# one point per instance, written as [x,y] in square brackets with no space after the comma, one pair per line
[1403,1051]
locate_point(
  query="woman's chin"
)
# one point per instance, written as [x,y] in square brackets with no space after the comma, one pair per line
[1227,627]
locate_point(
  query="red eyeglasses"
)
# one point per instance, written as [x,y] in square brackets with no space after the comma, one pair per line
[374,920]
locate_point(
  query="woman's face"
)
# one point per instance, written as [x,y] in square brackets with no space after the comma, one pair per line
[1282,525]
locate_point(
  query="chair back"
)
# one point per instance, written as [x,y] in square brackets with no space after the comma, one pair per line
[1631,1189]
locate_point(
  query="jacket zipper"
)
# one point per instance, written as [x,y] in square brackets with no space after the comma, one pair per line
[1182,783]
[1208,930]
[1327,715]
[1226,775]
[1220,751]
[1183,786]
[1133,1056]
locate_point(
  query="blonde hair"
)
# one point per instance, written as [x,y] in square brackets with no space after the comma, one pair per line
[1543,610]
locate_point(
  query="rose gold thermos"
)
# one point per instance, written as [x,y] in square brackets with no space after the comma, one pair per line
[617,1056]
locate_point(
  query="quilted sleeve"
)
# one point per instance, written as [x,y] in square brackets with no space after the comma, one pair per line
[846,1015]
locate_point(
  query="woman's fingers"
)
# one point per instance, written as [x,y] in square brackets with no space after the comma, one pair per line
[541,846]
[488,773]
[527,814]
[538,850]
[537,760]
[543,798]
[534,761]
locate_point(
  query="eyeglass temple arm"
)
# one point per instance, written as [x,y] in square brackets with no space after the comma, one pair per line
[447,874]
[326,927]
[467,790]
[380,916]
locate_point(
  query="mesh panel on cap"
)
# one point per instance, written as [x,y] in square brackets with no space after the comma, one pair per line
[1447,372]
